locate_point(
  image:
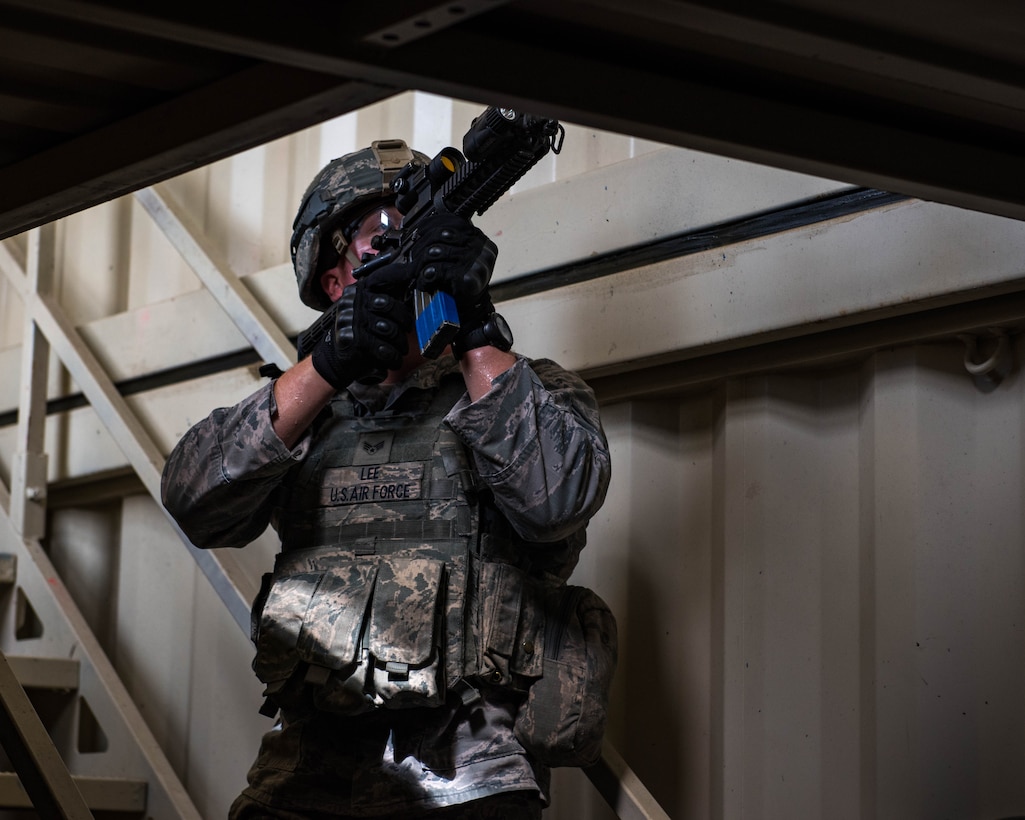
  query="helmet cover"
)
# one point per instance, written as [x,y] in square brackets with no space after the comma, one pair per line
[343,187]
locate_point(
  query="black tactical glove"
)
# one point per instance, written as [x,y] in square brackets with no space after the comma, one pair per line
[457,258]
[475,315]
[368,336]
[480,326]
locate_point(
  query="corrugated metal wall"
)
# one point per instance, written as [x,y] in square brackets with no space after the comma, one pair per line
[820,583]
[817,574]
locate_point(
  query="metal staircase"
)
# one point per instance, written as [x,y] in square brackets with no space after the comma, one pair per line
[73,739]
[74,743]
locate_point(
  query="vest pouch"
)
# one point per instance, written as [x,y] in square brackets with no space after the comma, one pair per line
[316,617]
[405,635]
[562,722]
[512,625]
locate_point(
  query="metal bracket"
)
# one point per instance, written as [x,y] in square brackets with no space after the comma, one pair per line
[994,345]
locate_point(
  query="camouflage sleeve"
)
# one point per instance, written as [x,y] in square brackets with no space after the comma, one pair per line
[218,478]
[538,444]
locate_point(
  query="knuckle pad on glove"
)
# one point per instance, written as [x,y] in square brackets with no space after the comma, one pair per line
[345,338]
[430,275]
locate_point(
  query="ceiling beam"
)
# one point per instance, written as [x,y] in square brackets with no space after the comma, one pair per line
[249,108]
[858,99]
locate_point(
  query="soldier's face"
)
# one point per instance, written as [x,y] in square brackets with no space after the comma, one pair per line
[360,248]
[372,225]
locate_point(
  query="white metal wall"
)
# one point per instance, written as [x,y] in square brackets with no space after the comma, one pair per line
[819,579]
[817,576]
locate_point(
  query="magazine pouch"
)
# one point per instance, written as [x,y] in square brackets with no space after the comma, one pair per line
[316,618]
[405,635]
[511,626]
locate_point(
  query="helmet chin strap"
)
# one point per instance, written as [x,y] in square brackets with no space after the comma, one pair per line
[345,250]
[354,260]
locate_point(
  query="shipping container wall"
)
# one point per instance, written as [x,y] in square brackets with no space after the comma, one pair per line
[819,584]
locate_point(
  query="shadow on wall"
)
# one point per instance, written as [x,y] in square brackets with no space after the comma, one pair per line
[652,696]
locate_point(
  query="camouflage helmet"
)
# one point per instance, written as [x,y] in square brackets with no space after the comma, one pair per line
[343,187]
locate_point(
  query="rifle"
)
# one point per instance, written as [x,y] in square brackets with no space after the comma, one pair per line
[500,146]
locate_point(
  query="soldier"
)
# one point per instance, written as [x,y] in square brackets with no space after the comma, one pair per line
[418,515]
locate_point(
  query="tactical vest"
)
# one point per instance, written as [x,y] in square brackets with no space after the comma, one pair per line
[397,581]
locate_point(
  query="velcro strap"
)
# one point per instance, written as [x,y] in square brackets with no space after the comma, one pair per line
[414,529]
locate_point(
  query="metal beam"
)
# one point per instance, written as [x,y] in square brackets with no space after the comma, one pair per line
[238,112]
[826,348]
[29,473]
[822,93]
[622,789]
[249,316]
[762,119]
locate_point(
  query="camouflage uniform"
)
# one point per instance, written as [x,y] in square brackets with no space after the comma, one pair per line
[539,463]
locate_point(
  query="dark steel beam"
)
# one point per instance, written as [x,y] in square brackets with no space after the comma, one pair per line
[872,95]
[243,110]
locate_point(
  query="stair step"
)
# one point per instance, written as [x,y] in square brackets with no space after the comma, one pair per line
[44,673]
[99,793]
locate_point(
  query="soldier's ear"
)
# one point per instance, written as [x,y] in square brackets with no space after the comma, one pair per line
[332,282]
